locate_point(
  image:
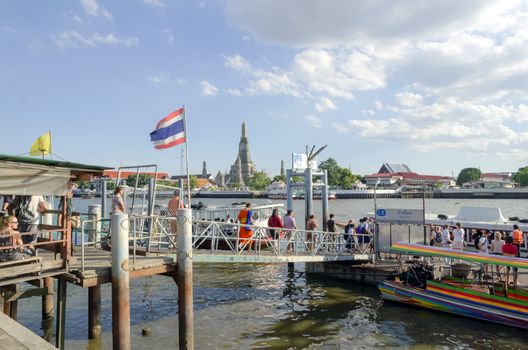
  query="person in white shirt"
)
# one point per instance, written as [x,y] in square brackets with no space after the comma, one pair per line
[446,238]
[483,243]
[497,243]
[458,237]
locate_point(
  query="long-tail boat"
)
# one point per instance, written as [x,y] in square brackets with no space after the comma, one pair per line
[488,298]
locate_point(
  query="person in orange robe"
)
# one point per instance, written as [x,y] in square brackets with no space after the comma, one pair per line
[245,216]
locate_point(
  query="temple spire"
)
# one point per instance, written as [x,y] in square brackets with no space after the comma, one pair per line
[244,130]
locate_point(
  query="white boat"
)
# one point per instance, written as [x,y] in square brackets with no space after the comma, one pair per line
[490,218]
[277,190]
[261,213]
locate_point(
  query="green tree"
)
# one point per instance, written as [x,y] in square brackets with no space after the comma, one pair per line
[333,171]
[259,181]
[143,180]
[193,181]
[521,177]
[346,178]
[279,178]
[468,175]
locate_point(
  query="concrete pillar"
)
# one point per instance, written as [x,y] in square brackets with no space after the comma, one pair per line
[61,314]
[308,194]
[104,195]
[120,283]
[185,280]
[94,312]
[324,199]
[48,304]
[94,228]
[289,190]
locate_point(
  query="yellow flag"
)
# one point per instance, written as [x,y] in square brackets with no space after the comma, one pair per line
[41,146]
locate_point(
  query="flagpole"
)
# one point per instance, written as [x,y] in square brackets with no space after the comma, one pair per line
[187,156]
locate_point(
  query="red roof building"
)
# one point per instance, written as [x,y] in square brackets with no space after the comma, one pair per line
[112,174]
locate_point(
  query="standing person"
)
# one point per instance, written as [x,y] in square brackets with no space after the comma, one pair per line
[497,243]
[518,239]
[332,236]
[290,224]
[446,238]
[27,210]
[510,249]
[245,216]
[118,204]
[484,247]
[174,205]
[350,231]
[275,223]
[311,237]
[458,237]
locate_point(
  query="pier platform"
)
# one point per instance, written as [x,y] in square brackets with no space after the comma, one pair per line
[14,336]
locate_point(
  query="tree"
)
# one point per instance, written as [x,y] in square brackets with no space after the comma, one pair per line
[279,178]
[333,171]
[521,177]
[193,182]
[259,181]
[143,180]
[346,178]
[468,175]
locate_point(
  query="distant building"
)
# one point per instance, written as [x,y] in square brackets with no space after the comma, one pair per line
[243,168]
[204,179]
[502,177]
[112,174]
[388,168]
[405,178]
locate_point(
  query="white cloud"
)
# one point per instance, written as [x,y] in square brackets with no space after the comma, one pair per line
[157,79]
[156,3]
[314,121]
[324,104]
[208,89]
[235,92]
[238,63]
[73,38]
[92,8]
[409,99]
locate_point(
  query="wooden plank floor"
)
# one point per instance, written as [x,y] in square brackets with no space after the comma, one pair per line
[97,266]
[14,336]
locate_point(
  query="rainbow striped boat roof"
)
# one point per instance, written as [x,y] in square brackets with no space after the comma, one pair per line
[418,249]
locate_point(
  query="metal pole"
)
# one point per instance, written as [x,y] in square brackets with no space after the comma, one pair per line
[289,190]
[308,194]
[61,313]
[185,279]
[423,217]
[324,199]
[104,195]
[120,282]
[152,194]
[187,157]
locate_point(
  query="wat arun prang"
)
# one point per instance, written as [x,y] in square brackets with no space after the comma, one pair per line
[243,168]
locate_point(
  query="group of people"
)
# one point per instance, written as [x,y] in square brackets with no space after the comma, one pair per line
[18,225]
[485,241]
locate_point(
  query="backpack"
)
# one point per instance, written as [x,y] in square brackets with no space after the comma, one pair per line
[21,211]
[359,229]
[438,237]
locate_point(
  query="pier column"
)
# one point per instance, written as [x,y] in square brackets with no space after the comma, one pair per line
[94,228]
[61,314]
[185,280]
[324,200]
[289,190]
[48,304]
[94,312]
[308,194]
[120,283]
[104,211]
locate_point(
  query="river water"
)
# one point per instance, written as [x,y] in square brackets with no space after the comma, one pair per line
[245,306]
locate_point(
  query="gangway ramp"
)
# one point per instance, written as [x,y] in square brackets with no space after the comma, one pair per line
[269,258]
[14,336]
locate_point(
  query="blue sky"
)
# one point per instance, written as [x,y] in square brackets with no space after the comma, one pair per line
[437,85]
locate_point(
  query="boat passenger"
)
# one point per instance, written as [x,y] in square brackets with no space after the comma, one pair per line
[497,243]
[118,205]
[446,238]
[484,243]
[245,216]
[518,239]
[510,249]
[458,237]
[350,231]
[27,209]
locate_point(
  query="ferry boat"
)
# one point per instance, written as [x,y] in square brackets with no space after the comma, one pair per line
[277,190]
[485,299]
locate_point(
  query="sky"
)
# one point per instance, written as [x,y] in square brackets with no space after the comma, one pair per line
[437,85]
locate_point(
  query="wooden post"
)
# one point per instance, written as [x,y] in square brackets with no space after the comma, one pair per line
[185,280]
[48,306]
[120,283]
[94,312]
[61,313]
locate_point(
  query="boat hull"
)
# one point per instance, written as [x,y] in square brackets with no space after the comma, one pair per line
[445,298]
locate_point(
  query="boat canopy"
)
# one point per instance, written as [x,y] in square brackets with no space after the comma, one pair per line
[480,214]
[36,176]
[418,249]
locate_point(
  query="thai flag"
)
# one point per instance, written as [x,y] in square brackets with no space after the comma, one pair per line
[170,131]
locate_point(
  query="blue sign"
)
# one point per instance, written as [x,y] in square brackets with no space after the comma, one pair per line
[381,212]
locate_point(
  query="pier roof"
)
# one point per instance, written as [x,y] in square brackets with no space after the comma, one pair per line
[52,162]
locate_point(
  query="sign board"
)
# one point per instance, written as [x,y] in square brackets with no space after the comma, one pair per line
[299,161]
[399,216]
[313,163]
